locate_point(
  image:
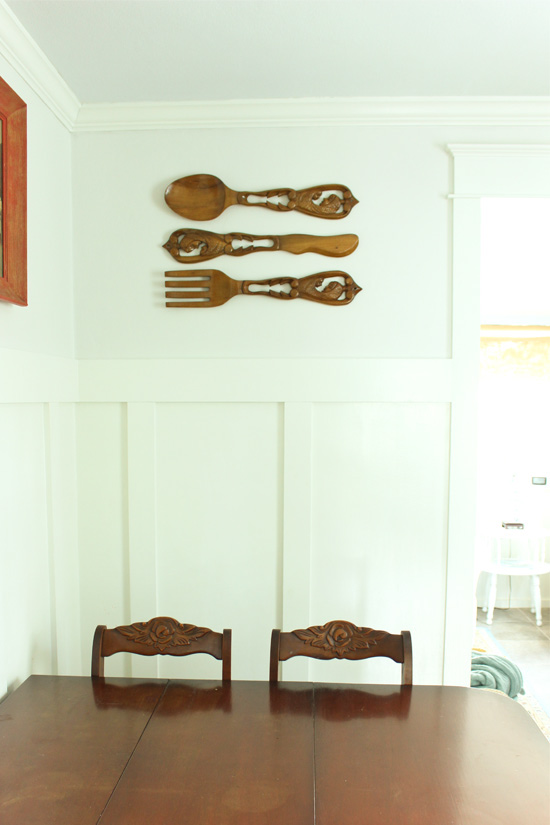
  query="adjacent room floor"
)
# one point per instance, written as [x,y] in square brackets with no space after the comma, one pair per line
[516,632]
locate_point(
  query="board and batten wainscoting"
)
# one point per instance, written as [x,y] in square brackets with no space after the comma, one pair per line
[262,464]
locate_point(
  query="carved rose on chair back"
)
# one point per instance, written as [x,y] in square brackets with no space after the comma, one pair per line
[163,632]
[339,637]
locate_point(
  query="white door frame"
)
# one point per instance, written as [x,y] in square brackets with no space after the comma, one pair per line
[480,171]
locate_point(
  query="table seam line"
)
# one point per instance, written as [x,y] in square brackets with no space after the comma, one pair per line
[133,751]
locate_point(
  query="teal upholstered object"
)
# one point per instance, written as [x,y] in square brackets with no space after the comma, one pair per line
[497,673]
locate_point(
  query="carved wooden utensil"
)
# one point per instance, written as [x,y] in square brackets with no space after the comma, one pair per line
[212,288]
[204,197]
[188,246]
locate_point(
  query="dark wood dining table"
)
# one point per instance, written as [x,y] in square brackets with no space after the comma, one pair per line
[82,751]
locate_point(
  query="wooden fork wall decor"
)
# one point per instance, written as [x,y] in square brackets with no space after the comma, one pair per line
[189,246]
[212,288]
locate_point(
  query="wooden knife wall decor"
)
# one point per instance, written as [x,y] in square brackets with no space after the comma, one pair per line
[204,197]
[188,246]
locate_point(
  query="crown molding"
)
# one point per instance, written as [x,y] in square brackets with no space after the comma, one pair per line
[499,149]
[30,62]
[374,111]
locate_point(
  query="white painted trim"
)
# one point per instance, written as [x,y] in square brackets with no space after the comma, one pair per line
[26,57]
[31,377]
[491,195]
[460,585]
[266,380]
[478,170]
[491,170]
[491,150]
[30,62]
[142,524]
[374,111]
[52,566]
[60,469]
[296,589]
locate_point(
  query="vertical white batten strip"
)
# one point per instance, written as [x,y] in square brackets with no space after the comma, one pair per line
[60,468]
[142,523]
[297,527]
[52,567]
[460,586]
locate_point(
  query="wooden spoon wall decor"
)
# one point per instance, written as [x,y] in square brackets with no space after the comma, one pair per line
[189,246]
[204,197]
[212,288]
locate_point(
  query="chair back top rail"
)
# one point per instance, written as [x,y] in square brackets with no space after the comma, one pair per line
[162,636]
[341,640]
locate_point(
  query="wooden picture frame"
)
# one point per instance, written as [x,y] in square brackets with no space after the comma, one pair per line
[13,196]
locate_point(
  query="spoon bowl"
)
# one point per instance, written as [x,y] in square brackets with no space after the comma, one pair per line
[197,197]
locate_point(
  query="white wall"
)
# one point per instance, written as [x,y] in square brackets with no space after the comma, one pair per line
[37,370]
[400,177]
[222,521]
[341,511]
[47,325]
[379,536]
[256,465]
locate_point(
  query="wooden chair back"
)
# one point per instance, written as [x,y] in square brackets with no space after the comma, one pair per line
[341,640]
[160,636]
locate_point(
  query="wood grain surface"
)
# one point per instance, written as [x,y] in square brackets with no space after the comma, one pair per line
[78,751]
[189,246]
[457,755]
[204,197]
[228,754]
[211,288]
[64,745]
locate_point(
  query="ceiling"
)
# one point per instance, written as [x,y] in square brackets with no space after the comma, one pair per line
[114,51]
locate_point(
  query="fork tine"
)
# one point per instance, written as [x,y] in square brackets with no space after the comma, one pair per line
[189,304]
[202,285]
[200,288]
[188,295]
[203,275]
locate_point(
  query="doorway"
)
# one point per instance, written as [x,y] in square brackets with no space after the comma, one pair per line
[513,479]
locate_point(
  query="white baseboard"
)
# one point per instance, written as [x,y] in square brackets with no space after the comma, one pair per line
[503,604]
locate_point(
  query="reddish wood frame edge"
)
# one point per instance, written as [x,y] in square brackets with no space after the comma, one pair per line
[13,113]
